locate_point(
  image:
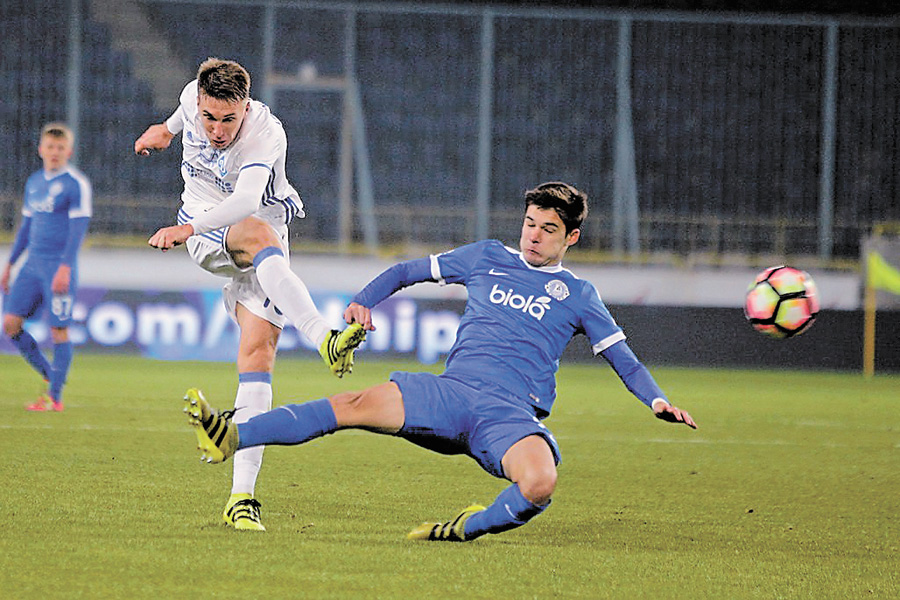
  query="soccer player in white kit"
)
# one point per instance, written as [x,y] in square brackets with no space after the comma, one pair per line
[237,205]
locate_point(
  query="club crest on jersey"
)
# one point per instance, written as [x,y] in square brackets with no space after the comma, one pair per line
[557,289]
[536,307]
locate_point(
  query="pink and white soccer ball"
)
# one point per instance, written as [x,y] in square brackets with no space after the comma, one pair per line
[782,302]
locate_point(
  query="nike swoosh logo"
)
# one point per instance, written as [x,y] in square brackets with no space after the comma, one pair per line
[510,513]
[493,272]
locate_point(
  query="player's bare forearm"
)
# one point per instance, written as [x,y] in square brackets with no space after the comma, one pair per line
[673,414]
[169,237]
[157,137]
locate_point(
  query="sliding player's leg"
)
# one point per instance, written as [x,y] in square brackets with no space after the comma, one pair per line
[379,409]
[531,465]
[534,467]
[510,443]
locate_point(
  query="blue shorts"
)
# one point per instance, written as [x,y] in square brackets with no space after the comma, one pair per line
[30,293]
[449,416]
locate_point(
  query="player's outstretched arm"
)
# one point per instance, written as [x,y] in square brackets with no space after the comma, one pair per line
[672,414]
[157,137]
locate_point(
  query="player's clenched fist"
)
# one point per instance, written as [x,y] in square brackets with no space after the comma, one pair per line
[157,137]
[169,237]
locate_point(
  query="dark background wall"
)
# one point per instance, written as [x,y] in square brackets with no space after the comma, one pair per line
[721,337]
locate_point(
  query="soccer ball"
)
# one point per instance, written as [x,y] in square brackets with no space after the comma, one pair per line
[782,302]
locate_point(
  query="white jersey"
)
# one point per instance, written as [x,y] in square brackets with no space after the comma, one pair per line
[210,175]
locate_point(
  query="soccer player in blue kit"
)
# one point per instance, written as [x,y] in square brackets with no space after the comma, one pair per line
[500,379]
[55,217]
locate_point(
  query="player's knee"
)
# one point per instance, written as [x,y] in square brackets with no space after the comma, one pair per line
[12,325]
[538,485]
[251,237]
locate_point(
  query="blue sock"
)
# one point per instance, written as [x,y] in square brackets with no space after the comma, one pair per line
[62,360]
[28,348]
[510,510]
[289,425]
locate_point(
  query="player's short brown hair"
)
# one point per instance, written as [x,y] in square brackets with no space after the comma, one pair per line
[223,80]
[569,203]
[57,130]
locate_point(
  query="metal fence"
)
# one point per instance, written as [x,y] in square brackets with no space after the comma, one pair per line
[694,135]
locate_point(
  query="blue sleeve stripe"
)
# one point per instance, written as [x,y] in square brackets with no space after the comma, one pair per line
[263,165]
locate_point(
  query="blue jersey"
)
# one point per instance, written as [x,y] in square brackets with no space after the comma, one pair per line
[518,318]
[55,213]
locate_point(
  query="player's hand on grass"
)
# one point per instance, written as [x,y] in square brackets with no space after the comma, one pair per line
[157,137]
[357,313]
[672,414]
[169,237]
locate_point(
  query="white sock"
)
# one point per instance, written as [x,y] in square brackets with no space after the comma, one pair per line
[254,397]
[289,294]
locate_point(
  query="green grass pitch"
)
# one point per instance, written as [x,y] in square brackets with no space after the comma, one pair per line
[789,489]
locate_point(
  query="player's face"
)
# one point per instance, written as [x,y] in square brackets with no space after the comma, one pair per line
[55,152]
[544,240]
[221,119]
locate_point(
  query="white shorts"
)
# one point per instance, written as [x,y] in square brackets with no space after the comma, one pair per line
[208,251]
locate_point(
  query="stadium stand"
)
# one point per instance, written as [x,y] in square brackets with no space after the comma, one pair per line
[727,116]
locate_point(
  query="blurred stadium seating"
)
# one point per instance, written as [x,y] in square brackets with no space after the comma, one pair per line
[727,114]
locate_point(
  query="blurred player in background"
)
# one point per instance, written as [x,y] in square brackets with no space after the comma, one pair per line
[237,205]
[500,378]
[55,217]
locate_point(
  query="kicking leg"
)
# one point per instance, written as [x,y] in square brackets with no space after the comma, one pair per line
[253,242]
[378,409]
